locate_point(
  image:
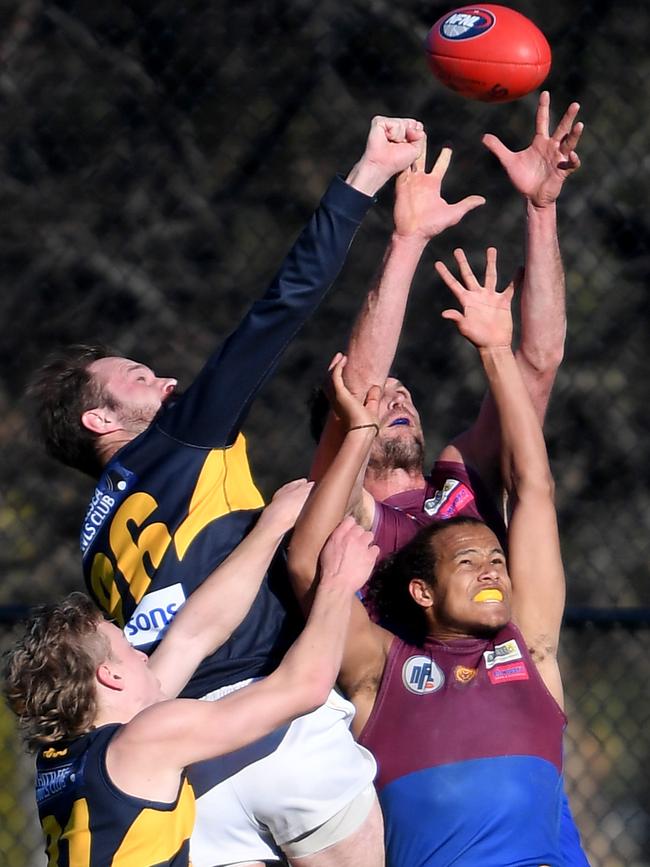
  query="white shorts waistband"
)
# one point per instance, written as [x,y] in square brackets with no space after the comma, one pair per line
[216,694]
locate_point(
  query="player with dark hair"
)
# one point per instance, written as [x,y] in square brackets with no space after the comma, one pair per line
[176,496]
[398,497]
[395,497]
[112,742]
[466,724]
[61,391]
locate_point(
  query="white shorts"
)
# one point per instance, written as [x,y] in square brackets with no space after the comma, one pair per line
[277,788]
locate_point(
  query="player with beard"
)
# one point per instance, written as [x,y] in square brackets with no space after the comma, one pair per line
[175,496]
[397,496]
[394,496]
[464,716]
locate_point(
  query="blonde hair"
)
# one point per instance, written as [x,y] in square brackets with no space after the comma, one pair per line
[50,671]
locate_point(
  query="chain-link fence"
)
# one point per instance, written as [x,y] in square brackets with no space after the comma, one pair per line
[157,160]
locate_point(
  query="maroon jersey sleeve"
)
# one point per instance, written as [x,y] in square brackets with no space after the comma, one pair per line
[393,528]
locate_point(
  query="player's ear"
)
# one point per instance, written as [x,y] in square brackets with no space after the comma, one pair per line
[100,420]
[421,592]
[108,677]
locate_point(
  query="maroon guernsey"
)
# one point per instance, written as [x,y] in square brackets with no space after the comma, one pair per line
[468,742]
[452,490]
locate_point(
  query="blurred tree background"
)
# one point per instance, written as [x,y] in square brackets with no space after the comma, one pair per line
[157,160]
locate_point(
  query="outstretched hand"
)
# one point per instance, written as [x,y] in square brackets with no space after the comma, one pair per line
[419,208]
[352,411]
[486,317]
[540,170]
[349,556]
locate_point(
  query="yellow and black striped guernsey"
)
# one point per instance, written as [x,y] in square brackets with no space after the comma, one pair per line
[176,500]
[89,822]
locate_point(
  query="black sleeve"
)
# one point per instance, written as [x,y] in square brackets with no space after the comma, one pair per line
[212,411]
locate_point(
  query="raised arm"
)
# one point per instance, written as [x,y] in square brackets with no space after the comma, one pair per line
[534,557]
[327,505]
[207,415]
[420,213]
[367,646]
[538,173]
[218,606]
[168,736]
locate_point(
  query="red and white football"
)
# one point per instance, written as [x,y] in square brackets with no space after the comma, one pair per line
[491,53]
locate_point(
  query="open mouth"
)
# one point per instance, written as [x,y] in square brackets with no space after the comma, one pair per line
[402,420]
[490,594]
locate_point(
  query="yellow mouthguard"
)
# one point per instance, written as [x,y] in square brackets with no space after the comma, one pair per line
[489,595]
